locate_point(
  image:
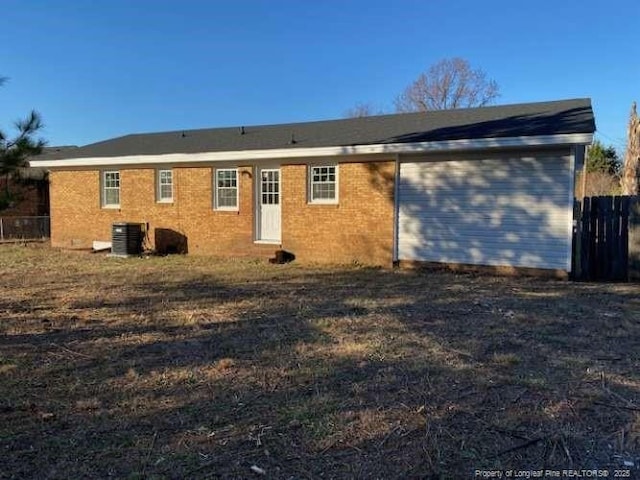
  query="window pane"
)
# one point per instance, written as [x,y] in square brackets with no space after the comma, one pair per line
[112,196]
[226,188]
[165,184]
[323,183]
[111,188]
[227,197]
[226,178]
[166,192]
[112,179]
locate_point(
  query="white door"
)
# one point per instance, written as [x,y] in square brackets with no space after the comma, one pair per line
[268,205]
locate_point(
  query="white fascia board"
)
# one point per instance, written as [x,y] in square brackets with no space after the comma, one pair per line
[286,153]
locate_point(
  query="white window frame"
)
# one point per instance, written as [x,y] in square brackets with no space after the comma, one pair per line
[310,184]
[159,185]
[216,189]
[104,188]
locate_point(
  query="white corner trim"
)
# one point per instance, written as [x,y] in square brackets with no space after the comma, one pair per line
[570,206]
[282,153]
[396,209]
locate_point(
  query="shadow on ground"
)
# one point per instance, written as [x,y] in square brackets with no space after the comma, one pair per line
[170,369]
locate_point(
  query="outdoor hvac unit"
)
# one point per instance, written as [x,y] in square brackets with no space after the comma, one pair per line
[126,239]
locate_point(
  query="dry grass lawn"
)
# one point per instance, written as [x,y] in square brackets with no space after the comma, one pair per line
[195,367]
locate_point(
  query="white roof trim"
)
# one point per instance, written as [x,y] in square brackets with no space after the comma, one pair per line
[284,153]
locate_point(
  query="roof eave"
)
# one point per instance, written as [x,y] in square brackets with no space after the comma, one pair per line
[285,153]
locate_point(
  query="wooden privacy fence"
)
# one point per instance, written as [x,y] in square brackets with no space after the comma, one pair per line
[606,243]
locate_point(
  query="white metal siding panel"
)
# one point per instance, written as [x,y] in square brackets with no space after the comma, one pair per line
[510,211]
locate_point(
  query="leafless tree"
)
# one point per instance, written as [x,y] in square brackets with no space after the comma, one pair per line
[597,184]
[450,83]
[631,167]
[362,110]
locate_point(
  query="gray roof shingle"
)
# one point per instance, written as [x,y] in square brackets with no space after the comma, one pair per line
[55,152]
[526,119]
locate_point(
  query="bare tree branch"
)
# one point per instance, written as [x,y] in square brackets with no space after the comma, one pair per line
[450,83]
[363,110]
[597,183]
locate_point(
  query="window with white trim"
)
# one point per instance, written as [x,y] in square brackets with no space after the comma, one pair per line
[226,189]
[164,181]
[111,189]
[323,184]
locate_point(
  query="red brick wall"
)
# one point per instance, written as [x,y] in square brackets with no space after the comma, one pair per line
[359,228]
[77,217]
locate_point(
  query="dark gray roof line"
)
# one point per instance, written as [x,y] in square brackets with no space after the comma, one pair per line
[53,152]
[517,120]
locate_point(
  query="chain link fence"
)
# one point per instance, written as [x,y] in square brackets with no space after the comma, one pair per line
[24,228]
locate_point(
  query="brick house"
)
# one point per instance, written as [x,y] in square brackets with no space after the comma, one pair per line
[483,186]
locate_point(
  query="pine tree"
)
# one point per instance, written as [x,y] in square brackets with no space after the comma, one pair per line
[603,159]
[15,151]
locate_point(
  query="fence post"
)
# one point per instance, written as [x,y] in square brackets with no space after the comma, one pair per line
[586,250]
[618,257]
[1,230]
[634,239]
[576,265]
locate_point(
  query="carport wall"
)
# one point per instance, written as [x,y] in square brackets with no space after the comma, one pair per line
[359,228]
[510,210]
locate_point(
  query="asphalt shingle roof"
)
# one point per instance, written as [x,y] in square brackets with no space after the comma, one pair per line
[55,151]
[526,119]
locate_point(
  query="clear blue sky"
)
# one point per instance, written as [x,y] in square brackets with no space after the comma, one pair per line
[99,69]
